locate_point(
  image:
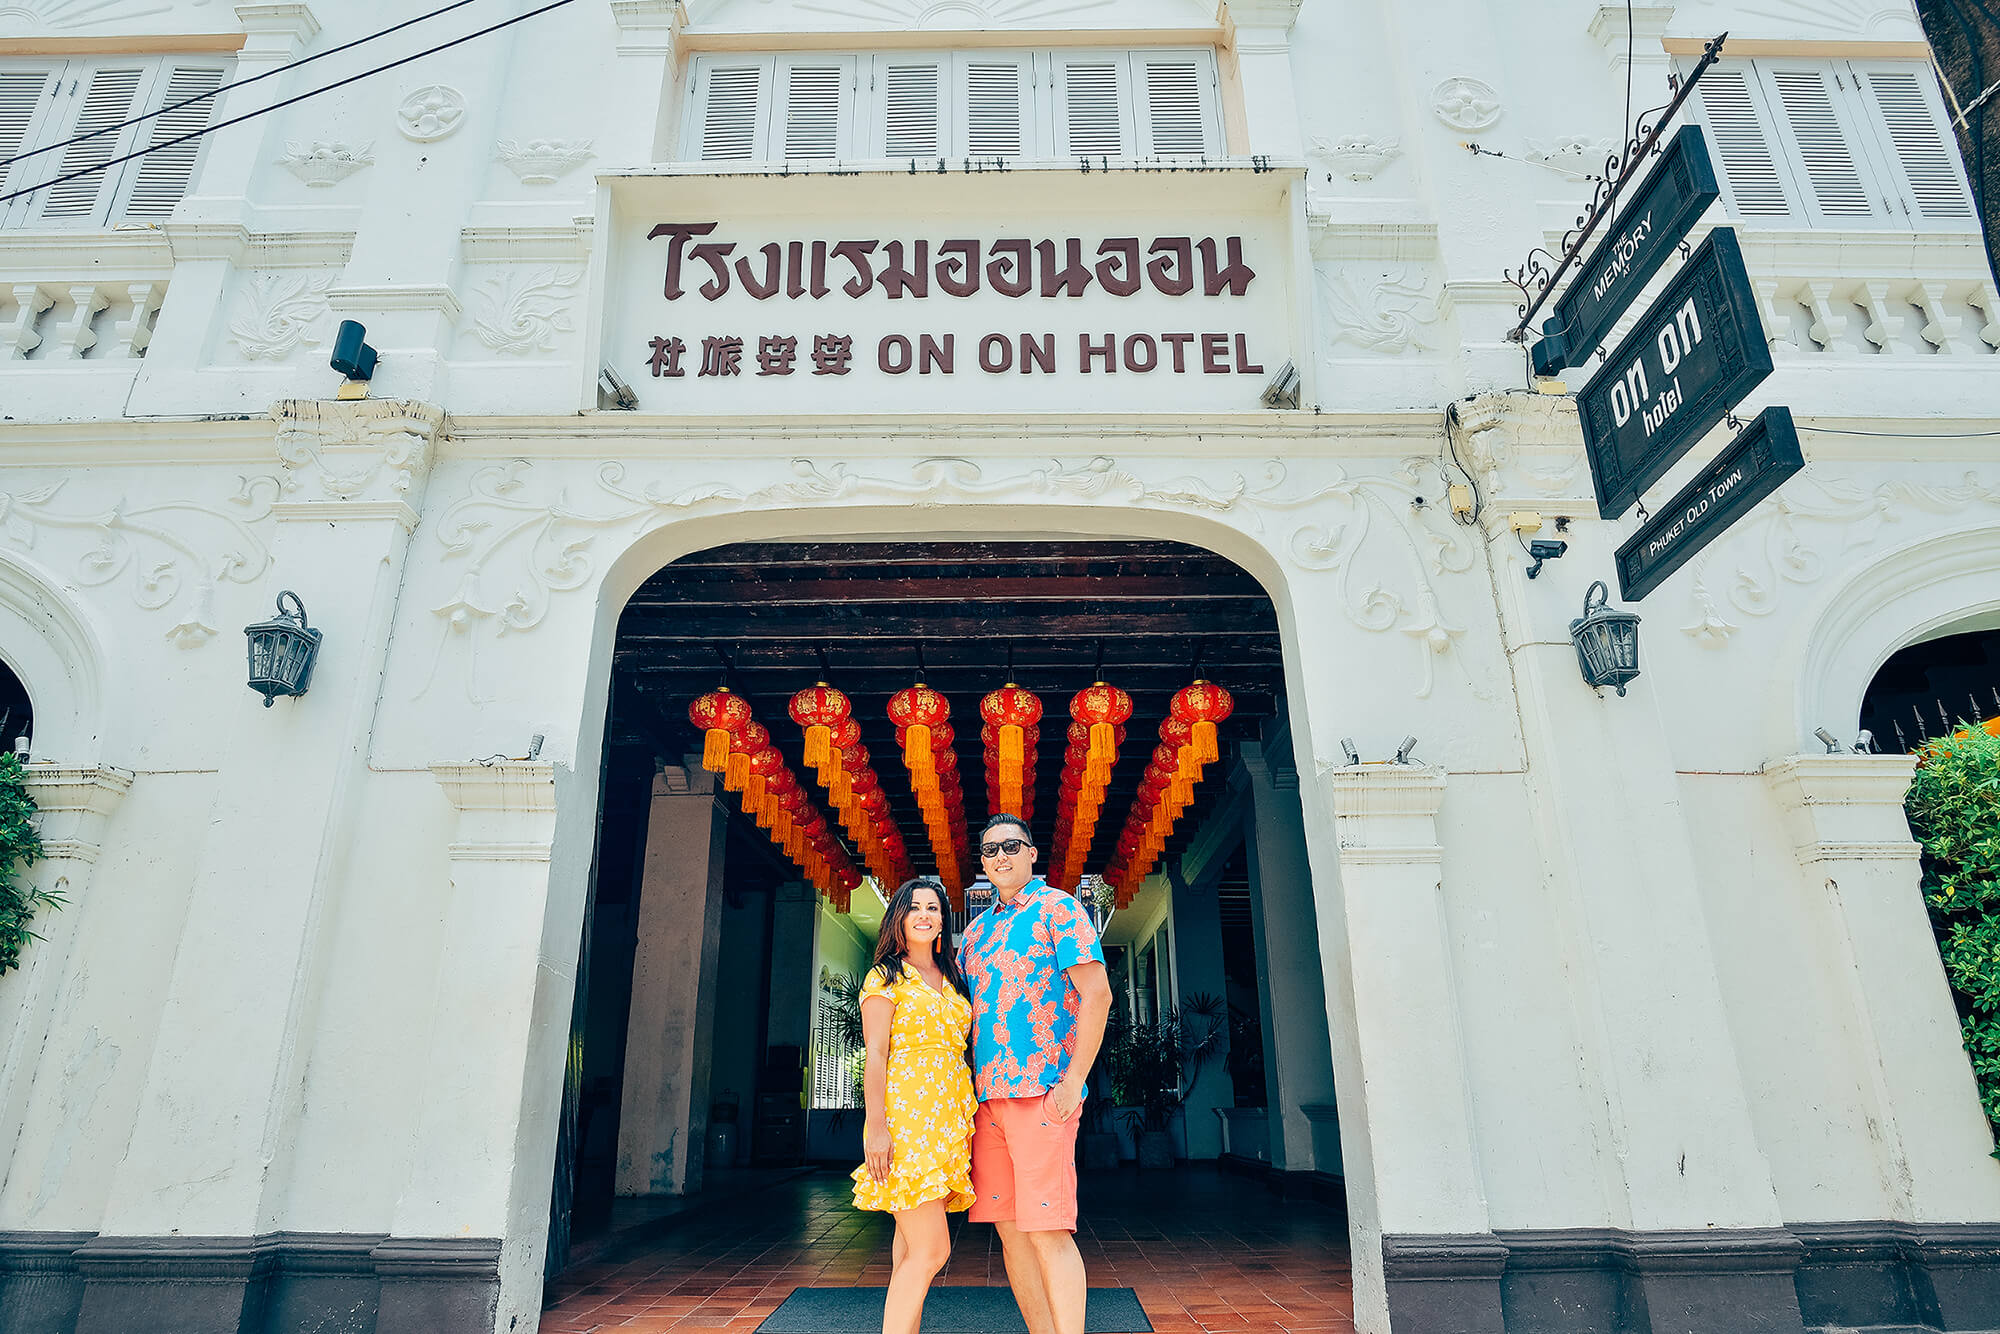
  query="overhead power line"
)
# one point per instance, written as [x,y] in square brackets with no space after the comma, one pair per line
[240,83]
[164,144]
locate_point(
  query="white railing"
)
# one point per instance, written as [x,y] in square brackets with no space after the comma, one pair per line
[1810,315]
[78,319]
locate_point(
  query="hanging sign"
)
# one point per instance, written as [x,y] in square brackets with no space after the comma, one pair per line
[1666,207]
[1690,359]
[1754,465]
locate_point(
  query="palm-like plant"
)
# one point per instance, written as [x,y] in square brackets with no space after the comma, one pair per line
[1153,1066]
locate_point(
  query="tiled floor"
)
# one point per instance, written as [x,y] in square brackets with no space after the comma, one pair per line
[1204,1250]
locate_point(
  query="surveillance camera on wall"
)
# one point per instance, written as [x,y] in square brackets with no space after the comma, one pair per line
[1283,391]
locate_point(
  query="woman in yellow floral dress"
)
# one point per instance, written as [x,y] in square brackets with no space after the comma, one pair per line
[915,1016]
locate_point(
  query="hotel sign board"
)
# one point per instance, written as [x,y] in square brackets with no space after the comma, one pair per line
[1666,207]
[1754,465]
[951,295]
[1689,360]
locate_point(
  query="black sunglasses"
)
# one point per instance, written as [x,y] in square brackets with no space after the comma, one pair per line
[1011,846]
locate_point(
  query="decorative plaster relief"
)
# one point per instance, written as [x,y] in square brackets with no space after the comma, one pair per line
[522,547]
[375,449]
[544,161]
[323,163]
[278,315]
[1388,312]
[32,16]
[1357,157]
[520,312]
[1466,104]
[1491,430]
[431,113]
[1579,152]
[1786,540]
[175,551]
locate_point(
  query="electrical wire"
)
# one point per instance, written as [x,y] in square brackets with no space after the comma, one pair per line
[240,83]
[279,106]
[1904,435]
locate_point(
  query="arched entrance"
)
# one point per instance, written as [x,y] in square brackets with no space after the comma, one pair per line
[706,1056]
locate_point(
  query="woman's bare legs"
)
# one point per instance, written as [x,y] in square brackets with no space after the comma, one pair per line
[922,1245]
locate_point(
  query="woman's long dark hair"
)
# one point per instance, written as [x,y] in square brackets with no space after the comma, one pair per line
[890,951]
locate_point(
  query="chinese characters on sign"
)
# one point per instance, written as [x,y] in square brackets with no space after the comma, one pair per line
[855,270]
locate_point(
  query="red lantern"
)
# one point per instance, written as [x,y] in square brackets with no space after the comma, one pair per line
[1203,705]
[747,741]
[720,715]
[819,709]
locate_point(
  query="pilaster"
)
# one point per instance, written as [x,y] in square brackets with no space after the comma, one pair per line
[211,1147]
[75,808]
[1845,817]
[648,35]
[479,1164]
[1260,50]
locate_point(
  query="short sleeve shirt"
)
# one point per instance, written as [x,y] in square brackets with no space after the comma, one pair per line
[1024,1008]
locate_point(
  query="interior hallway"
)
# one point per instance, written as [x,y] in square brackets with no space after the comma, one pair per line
[1204,1249]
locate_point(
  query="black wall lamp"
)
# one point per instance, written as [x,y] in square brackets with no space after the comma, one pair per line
[1607,642]
[353,358]
[282,651]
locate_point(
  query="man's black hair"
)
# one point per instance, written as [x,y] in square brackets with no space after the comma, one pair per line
[995,821]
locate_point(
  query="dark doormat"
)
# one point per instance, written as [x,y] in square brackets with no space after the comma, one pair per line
[948,1310]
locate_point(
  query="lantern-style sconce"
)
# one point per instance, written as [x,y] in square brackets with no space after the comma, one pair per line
[282,650]
[1607,642]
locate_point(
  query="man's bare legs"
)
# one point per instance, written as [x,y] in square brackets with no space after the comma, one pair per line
[922,1245]
[1045,1269]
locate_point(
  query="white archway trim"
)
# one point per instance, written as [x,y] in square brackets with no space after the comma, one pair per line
[1909,595]
[59,653]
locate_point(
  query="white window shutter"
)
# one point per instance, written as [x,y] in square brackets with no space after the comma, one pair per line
[1176,106]
[156,182]
[1822,144]
[913,102]
[105,96]
[1091,106]
[1921,152]
[996,105]
[730,102]
[1742,143]
[815,96]
[26,91]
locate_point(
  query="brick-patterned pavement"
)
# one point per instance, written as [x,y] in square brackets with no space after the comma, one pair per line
[1205,1250]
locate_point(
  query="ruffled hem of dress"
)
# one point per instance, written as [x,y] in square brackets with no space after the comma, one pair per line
[900,1192]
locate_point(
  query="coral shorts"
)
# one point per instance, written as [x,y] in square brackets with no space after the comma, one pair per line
[1024,1165]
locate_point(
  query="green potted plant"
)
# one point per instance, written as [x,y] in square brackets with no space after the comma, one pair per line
[20,848]
[1154,1066]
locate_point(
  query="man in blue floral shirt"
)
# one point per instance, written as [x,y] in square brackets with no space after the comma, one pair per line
[1040,997]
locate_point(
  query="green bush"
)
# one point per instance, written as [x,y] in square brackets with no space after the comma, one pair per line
[1954,809]
[20,848]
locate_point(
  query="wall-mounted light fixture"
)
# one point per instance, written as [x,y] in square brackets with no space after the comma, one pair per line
[353,358]
[1607,642]
[282,651]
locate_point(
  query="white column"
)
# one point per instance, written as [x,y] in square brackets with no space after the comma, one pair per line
[75,807]
[1845,816]
[1197,940]
[640,79]
[1415,1099]
[1259,37]
[1298,1054]
[222,1096]
[479,1163]
[663,1119]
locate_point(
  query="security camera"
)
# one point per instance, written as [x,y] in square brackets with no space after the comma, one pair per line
[352,356]
[1544,551]
[614,384]
[1283,391]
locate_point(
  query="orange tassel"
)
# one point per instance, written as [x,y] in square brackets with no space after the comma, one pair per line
[737,772]
[1204,744]
[714,749]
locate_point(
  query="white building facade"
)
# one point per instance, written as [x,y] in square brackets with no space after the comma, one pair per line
[1633,1008]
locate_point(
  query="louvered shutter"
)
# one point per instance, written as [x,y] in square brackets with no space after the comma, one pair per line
[1921,156]
[996,105]
[1742,142]
[155,183]
[1812,116]
[1176,103]
[913,101]
[104,96]
[815,96]
[730,106]
[1092,117]
[26,92]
